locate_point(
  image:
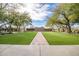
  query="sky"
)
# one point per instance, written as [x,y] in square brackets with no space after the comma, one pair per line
[39,13]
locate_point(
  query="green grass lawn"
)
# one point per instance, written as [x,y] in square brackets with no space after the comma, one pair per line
[24,38]
[57,38]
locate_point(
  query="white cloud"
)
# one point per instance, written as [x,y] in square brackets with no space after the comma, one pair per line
[35,12]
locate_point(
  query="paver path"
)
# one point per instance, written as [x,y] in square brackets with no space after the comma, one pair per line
[39,50]
[39,40]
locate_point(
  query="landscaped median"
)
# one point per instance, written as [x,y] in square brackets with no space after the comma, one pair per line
[22,38]
[58,38]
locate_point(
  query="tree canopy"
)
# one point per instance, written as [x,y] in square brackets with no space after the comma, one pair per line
[65,14]
[10,15]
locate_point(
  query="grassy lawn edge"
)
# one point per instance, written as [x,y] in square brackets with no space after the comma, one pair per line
[23,38]
[58,38]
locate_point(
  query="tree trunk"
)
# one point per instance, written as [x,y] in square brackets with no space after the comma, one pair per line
[24,28]
[18,28]
[10,29]
[69,28]
[68,23]
[0,30]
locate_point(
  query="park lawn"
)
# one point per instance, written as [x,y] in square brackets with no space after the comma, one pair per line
[58,38]
[23,38]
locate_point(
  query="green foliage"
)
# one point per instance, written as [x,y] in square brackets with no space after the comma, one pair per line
[9,14]
[53,19]
[71,11]
[65,14]
[18,18]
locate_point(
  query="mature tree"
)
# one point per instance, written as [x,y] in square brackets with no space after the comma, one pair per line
[2,14]
[18,19]
[67,12]
[5,9]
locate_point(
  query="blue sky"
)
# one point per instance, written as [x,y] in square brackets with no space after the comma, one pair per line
[39,12]
[39,22]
